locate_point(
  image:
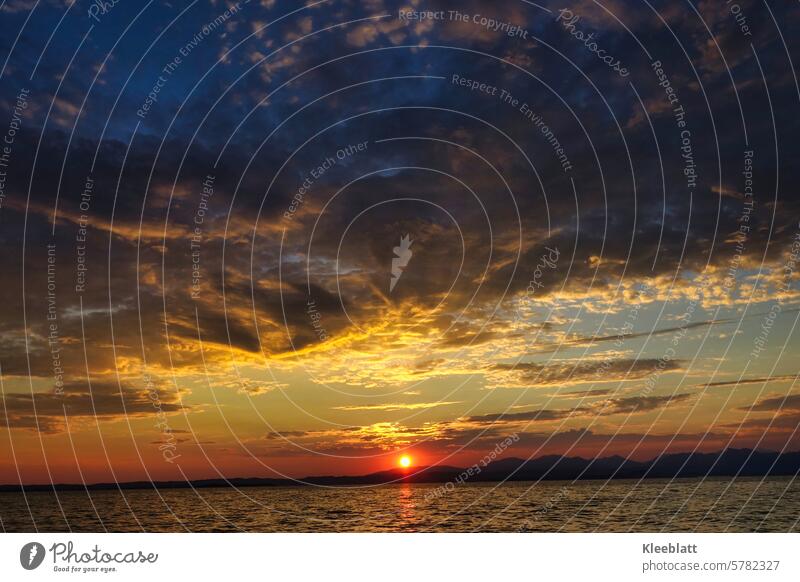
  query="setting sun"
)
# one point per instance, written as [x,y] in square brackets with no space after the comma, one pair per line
[405,461]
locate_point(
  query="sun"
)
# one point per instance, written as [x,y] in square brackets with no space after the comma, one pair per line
[405,461]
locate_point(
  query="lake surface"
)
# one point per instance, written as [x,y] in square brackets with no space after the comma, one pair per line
[710,505]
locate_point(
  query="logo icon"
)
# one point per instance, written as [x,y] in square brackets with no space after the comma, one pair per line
[31,555]
[400,261]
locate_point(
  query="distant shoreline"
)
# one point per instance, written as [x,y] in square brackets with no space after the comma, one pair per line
[727,463]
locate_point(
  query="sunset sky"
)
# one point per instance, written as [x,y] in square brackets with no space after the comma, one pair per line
[200,205]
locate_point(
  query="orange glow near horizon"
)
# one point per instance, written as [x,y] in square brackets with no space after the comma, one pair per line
[405,461]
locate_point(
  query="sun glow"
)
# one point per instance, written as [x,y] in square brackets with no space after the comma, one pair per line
[405,461]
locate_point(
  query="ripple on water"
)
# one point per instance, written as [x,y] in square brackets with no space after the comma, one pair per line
[747,504]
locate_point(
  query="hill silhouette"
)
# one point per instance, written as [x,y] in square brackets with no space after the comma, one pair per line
[727,463]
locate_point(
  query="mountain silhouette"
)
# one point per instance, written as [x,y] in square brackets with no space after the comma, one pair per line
[726,463]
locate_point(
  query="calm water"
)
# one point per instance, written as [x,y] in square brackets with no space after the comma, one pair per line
[680,505]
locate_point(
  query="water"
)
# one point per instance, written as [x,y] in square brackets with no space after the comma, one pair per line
[710,505]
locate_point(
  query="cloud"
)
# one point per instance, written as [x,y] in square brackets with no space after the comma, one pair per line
[789,402]
[591,340]
[48,412]
[472,431]
[396,406]
[746,381]
[607,407]
[584,393]
[567,373]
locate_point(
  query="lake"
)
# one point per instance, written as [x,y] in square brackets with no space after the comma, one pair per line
[702,505]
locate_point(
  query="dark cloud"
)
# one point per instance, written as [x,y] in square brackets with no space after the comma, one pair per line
[586,371]
[746,381]
[790,402]
[608,407]
[50,411]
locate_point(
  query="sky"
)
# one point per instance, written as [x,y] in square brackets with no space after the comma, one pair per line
[288,239]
